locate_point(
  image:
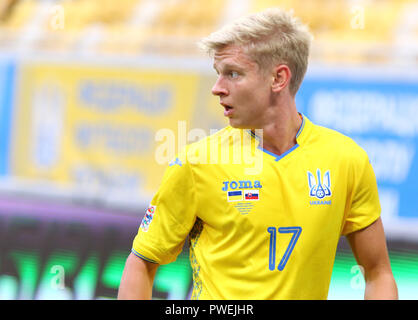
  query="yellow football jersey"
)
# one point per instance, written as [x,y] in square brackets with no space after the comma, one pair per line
[260,226]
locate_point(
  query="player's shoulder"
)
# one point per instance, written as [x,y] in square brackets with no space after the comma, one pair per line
[199,152]
[332,136]
[220,137]
[338,143]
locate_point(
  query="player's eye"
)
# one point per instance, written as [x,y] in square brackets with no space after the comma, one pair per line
[233,74]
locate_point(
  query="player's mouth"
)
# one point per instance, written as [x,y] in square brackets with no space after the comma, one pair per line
[228,110]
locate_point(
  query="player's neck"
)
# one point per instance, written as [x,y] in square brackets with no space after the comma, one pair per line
[279,133]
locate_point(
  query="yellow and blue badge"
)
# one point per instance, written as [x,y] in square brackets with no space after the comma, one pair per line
[235,196]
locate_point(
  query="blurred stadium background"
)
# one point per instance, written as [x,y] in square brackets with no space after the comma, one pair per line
[87,88]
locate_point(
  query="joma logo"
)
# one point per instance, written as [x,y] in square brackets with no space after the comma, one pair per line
[241,184]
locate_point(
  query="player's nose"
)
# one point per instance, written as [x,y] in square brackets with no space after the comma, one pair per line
[219,88]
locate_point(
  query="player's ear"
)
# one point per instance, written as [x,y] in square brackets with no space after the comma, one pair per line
[281,77]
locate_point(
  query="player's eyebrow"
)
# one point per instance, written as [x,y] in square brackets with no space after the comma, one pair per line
[227,66]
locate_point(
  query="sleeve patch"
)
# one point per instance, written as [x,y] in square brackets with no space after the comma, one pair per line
[147,219]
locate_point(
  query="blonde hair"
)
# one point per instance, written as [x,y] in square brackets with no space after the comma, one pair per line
[268,37]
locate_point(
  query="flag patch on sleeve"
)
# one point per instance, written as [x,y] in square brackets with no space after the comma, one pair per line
[147,219]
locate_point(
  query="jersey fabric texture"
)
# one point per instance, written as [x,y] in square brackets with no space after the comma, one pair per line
[270,233]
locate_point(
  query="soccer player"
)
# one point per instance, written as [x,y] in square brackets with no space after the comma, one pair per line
[270,233]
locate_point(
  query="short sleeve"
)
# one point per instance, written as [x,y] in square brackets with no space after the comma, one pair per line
[170,216]
[365,205]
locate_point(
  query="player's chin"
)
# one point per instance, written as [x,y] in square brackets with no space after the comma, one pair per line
[236,125]
[239,124]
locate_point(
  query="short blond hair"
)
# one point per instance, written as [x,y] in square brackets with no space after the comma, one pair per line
[268,37]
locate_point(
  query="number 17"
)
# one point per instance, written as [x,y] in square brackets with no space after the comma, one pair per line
[272,253]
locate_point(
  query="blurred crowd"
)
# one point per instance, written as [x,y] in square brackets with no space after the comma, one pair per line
[351,31]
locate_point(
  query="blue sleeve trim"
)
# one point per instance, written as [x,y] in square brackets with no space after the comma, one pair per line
[142,257]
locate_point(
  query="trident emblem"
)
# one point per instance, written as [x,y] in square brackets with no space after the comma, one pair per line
[319,188]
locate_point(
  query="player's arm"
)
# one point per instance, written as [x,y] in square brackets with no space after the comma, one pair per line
[137,279]
[370,250]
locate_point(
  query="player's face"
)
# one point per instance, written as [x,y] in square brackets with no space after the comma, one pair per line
[244,90]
